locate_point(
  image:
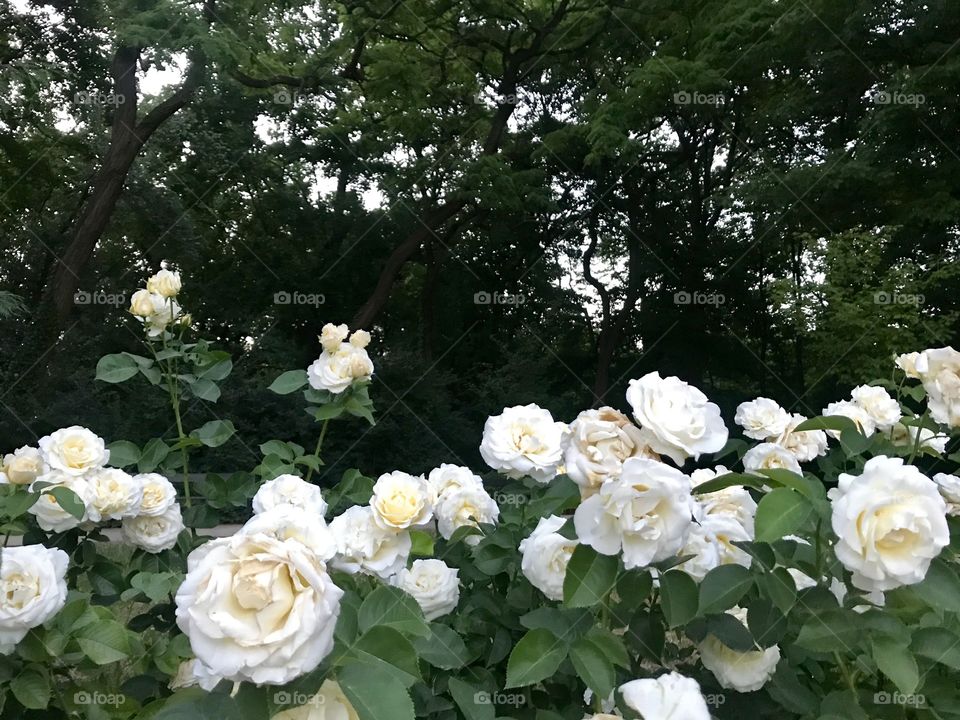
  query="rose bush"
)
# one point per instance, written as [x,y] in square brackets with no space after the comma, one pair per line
[602,569]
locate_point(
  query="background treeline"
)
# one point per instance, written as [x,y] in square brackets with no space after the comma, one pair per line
[793,169]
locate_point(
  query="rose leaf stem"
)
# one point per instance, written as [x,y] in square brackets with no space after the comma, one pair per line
[316,452]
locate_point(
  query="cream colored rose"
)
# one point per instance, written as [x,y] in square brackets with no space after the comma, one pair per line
[157,494]
[761,418]
[545,556]
[258,609]
[50,516]
[33,589]
[645,513]
[142,304]
[668,697]
[743,671]
[400,501]
[165,283]
[903,436]
[360,339]
[890,522]
[939,371]
[366,547]
[711,542]
[433,584]
[328,704]
[734,502]
[524,440]
[848,409]
[447,478]
[949,487]
[770,456]
[193,673]
[331,336]
[74,450]
[805,444]
[466,506]
[290,490]
[113,495]
[878,404]
[292,522]
[336,371]
[154,533]
[600,440]
[908,363]
[23,465]
[676,418]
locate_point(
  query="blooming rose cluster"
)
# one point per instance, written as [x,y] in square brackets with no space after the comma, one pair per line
[343,361]
[782,446]
[156,305]
[871,408]
[76,459]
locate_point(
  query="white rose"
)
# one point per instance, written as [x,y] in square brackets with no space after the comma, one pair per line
[761,418]
[329,703]
[668,697]
[364,546]
[848,409]
[50,516]
[164,283]
[331,336]
[193,673]
[600,440]
[165,312]
[805,444]
[646,513]
[400,501]
[676,418]
[258,609]
[890,522]
[735,670]
[141,304]
[939,371]
[734,502]
[524,440]
[289,490]
[158,494]
[448,478]
[23,465]
[114,495]
[877,403]
[770,456]
[332,372]
[466,506]
[154,533]
[33,589]
[546,554]
[908,363]
[74,451]
[433,584]
[291,522]
[711,542]
[360,338]
[903,436]
[949,487]
[705,551]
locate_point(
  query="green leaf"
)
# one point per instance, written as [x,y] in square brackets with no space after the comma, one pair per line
[827,422]
[721,482]
[116,368]
[590,577]
[205,389]
[214,433]
[781,512]
[104,642]
[780,588]
[374,693]
[731,632]
[831,631]
[388,605]
[896,662]
[593,667]
[536,657]
[325,412]
[289,382]
[18,503]
[937,644]
[443,648]
[940,588]
[679,597]
[422,543]
[278,448]
[611,646]
[723,587]
[123,453]
[154,453]
[31,688]
[216,371]
[473,703]
[68,500]
[562,622]
[387,648]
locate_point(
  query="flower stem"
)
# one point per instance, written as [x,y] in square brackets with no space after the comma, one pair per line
[316,452]
[916,441]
